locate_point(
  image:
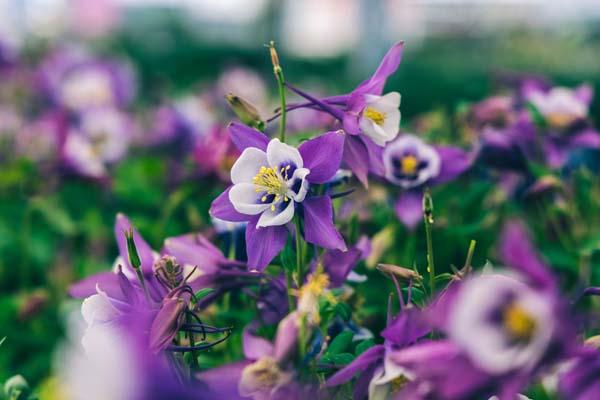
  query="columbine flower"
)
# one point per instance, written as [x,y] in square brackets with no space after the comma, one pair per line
[412,164]
[101,137]
[77,81]
[380,373]
[310,293]
[271,182]
[370,118]
[502,324]
[562,106]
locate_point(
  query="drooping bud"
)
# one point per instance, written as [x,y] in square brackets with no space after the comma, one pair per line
[400,272]
[245,111]
[167,323]
[134,258]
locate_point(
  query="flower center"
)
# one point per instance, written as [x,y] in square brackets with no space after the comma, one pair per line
[316,283]
[398,383]
[269,182]
[518,322]
[375,116]
[409,164]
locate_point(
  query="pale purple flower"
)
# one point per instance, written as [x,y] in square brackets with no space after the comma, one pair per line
[101,137]
[562,106]
[412,164]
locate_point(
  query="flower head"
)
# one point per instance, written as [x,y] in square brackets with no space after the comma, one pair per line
[562,106]
[410,162]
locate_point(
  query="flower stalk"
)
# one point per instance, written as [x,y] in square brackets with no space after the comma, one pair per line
[278,71]
[136,263]
[428,219]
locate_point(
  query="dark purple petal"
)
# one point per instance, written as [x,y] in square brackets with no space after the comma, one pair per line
[166,324]
[255,347]
[222,208]
[409,208]
[360,364]
[107,281]
[319,228]
[588,139]
[356,157]
[243,137]
[517,251]
[454,161]
[375,156]
[407,328]
[338,264]
[129,292]
[263,244]
[322,155]
[389,64]
[144,250]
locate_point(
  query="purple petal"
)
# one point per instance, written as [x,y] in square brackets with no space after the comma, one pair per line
[409,208]
[222,382]
[195,249]
[255,347]
[375,151]
[129,292]
[286,339]
[356,156]
[517,251]
[588,139]
[360,364]
[263,244]
[389,64]
[338,264]
[454,162]
[323,155]
[243,137]
[584,93]
[408,326]
[166,324]
[107,281]
[318,224]
[144,250]
[222,208]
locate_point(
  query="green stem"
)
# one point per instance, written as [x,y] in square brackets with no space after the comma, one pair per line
[299,254]
[281,87]
[289,283]
[192,338]
[140,276]
[428,218]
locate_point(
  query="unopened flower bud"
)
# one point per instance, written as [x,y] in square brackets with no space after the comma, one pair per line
[16,388]
[245,111]
[428,207]
[274,56]
[400,272]
[134,258]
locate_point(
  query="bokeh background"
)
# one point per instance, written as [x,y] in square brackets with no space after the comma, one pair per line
[55,230]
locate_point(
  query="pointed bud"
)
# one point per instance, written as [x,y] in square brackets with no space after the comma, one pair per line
[428,206]
[274,56]
[245,111]
[134,258]
[400,272]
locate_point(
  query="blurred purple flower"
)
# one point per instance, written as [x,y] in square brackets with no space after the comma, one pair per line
[413,164]
[271,182]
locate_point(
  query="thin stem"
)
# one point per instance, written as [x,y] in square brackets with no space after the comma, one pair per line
[281,88]
[299,254]
[140,277]
[428,218]
[192,340]
[289,284]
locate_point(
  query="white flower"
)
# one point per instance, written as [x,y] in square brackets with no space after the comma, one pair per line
[387,380]
[269,183]
[86,88]
[501,323]
[560,106]
[409,161]
[380,119]
[262,378]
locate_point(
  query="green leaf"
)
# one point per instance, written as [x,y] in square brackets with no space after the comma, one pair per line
[343,310]
[364,346]
[340,343]
[337,359]
[202,293]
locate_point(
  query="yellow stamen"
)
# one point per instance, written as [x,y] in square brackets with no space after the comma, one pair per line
[316,283]
[518,322]
[375,116]
[268,181]
[398,383]
[409,165]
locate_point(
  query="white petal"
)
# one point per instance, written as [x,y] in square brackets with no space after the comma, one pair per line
[277,217]
[386,103]
[300,174]
[280,153]
[98,309]
[247,165]
[245,200]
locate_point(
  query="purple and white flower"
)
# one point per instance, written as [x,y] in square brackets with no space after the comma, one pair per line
[271,182]
[561,106]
